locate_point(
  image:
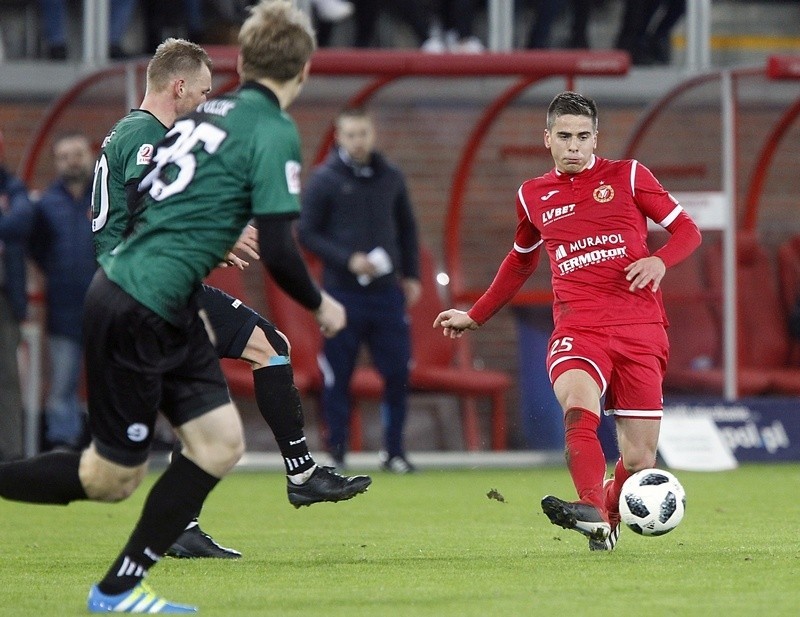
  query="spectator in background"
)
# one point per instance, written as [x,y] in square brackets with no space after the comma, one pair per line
[326,14]
[218,21]
[53,20]
[412,12]
[61,245]
[452,22]
[357,218]
[16,221]
[446,28]
[646,28]
[548,11]
[187,19]
[332,10]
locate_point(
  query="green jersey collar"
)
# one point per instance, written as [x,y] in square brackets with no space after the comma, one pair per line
[254,85]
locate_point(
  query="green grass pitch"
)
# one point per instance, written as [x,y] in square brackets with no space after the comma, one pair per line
[431,544]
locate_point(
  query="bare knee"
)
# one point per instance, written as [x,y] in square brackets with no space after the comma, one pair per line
[576,388]
[216,458]
[259,351]
[638,441]
[638,460]
[214,441]
[265,344]
[106,481]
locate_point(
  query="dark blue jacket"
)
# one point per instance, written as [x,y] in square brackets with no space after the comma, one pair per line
[62,247]
[16,222]
[345,211]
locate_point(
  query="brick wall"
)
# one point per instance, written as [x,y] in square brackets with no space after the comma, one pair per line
[18,121]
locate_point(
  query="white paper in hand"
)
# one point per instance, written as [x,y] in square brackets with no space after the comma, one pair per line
[379,258]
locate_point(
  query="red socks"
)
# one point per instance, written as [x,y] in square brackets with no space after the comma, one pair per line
[615,488]
[585,459]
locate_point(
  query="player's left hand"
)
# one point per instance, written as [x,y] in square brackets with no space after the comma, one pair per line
[231,259]
[331,315]
[248,242]
[644,272]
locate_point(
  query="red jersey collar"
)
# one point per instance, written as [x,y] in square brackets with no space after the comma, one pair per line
[592,161]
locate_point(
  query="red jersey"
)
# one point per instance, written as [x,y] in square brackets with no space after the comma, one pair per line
[593,224]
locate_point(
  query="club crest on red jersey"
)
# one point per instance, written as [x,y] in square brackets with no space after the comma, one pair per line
[603,193]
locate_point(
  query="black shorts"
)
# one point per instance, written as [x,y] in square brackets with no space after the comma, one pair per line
[137,363]
[232,320]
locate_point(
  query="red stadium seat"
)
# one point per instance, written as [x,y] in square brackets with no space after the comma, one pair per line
[789,277]
[694,310]
[763,337]
[433,368]
[694,359]
[789,271]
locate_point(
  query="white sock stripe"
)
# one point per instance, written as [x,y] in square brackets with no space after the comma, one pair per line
[294,463]
[123,567]
[131,568]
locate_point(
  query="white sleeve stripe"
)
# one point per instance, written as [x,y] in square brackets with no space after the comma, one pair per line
[522,201]
[634,163]
[521,249]
[671,216]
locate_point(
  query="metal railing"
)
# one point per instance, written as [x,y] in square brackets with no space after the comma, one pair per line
[95,32]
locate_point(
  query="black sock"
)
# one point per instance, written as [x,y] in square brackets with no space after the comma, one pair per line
[169,507]
[279,402]
[177,448]
[50,478]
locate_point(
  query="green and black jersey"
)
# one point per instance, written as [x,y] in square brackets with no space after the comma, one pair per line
[125,154]
[234,158]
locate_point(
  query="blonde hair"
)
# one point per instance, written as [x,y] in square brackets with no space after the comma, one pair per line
[172,58]
[276,41]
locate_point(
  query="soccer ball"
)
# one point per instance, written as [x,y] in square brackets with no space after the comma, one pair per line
[652,502]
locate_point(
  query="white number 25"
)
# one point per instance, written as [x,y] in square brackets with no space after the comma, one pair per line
[561,345]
